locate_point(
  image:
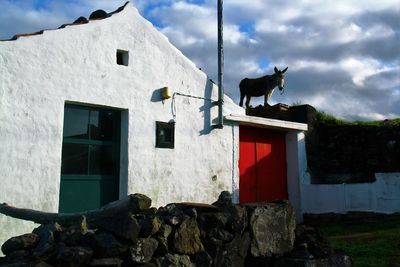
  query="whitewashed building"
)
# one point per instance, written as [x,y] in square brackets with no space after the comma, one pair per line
[83,122]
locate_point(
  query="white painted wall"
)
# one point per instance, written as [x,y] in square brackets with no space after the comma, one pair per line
[77,64]
[293,174]
[381,196]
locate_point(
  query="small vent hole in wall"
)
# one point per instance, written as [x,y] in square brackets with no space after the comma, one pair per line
[122,57]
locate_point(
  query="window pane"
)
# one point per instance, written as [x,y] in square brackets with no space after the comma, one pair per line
[74,159]
[102,160]
[76,123]
[166,135]
[101,123]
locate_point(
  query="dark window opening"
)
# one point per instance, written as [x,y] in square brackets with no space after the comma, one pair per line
[122,57]
[165,134]
[90,138]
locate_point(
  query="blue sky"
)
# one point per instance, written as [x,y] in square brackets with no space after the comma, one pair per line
[343,56]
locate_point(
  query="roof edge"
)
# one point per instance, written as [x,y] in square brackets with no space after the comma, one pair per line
[266,123]
[78,21]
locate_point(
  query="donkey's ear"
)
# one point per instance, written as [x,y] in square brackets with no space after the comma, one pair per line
[285,70]
[276,70]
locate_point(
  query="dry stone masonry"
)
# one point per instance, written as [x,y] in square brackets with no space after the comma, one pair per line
[180,234]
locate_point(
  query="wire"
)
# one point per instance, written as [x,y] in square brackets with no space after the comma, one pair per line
[173,104]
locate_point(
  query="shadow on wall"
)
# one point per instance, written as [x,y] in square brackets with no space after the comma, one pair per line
[157,96]
[206,108]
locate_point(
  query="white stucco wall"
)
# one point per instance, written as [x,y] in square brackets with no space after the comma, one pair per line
[77,64]
[293,175]
[381,196]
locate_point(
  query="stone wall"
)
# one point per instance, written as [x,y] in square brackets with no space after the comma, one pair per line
[180,234]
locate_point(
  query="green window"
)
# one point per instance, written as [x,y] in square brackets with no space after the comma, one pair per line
[90,158]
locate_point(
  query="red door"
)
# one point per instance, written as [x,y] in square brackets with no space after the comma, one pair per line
[262,165]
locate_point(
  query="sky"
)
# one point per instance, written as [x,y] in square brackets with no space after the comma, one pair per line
[343,55]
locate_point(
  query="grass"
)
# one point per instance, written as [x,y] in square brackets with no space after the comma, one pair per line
[332,120]
[369,244]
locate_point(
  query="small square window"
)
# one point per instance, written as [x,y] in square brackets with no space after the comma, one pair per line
[165,134]
[122,57]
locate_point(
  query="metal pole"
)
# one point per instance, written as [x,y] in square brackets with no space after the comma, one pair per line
[220,65]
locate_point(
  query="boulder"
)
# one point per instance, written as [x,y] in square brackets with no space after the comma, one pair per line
[174,260]
[123,225]
[141,202]
[202,259]
[211,220]
[186,238]
[22,242]
[149,226]
[233,254]
[273,229]
[73,256]
[98,14]
[162,239]
[237,219]
[143,250]
[224,200]
[105,245]
[49,234]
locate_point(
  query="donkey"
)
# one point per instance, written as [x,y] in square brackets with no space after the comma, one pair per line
[261,86]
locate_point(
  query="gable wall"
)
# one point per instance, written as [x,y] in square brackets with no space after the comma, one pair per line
[39,74]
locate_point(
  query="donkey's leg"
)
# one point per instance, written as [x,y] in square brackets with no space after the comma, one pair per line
[248,98]
[266,98]
[242,95]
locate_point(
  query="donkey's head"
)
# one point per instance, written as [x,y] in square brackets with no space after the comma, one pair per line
[280,77]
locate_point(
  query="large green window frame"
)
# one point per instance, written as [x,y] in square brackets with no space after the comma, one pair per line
[90,157]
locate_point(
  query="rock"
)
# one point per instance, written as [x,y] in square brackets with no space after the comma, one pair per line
[211,220]
[49,234]
[313,241]
[149,226]
[98,14]
[237,219]
[140,202]
[18,254]
[233,254]
[162,239]
[272,227]
[143,250]
[173,260]
[73,256]
[74,234]
[340,260]
[21,242]
[221,234]
[224,200]
[203,259]
[106,262]
[80,20]
[337,262]
[105,245]
[172,214]
[186,239]
[301,252]
[123,225]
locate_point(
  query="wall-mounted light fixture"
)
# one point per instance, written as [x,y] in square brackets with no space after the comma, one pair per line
[165,93]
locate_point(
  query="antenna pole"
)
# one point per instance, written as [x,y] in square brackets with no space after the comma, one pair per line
[220,65]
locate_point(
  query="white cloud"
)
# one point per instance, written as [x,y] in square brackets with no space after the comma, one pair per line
[343,52]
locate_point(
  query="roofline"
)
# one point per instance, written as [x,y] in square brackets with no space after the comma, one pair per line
[266,123]
[16,36]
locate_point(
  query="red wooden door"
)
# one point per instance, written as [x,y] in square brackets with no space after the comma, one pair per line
[262,165]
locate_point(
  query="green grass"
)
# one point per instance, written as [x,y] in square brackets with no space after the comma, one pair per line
[326,118]
[372,244]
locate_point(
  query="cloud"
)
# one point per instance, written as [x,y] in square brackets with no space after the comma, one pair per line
[343,56]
